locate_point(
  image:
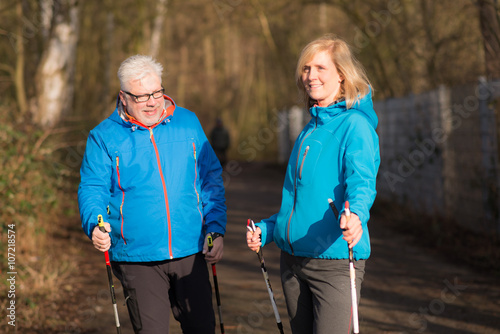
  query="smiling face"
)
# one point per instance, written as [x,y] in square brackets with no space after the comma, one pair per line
[320,78]
[149,112]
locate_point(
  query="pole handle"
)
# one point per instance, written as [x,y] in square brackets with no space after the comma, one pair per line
[210,242]
[100,222]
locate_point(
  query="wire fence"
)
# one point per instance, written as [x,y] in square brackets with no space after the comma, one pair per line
[439,152]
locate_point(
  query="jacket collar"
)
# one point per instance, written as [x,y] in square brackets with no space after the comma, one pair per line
[364,105]
[126,118]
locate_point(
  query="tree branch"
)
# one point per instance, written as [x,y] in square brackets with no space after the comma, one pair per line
[7,68]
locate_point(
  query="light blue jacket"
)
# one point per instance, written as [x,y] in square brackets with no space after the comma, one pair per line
[162,185]
[336,156]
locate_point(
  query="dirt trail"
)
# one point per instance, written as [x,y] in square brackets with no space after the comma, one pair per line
[407,289]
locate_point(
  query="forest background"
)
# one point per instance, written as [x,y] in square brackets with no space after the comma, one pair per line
[233,59]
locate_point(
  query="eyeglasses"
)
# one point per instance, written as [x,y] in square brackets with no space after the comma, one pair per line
[146,97]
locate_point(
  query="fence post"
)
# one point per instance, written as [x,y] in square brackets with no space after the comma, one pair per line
[489,152]
[448,156]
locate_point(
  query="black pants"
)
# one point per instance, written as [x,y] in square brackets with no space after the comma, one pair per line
[152,289]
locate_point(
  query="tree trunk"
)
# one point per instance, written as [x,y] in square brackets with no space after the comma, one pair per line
[352,12]
[107,52]
[54,75]
[209,58]
[266,30]
[490,29]
[46,14]
[322,17]
[19,70]
[183,75]
[161,11]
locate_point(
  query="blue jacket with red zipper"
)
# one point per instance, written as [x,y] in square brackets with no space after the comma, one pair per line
[159,187]
[336,156]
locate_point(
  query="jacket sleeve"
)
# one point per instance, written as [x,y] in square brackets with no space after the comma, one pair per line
[212,187]
[95,184]
[361,163]
[267,228]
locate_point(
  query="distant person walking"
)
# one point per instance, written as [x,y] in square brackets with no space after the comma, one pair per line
[335,156]
[220,140]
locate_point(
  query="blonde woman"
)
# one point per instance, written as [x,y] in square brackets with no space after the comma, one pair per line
[336,156]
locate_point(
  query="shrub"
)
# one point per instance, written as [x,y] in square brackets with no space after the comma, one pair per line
[38,199]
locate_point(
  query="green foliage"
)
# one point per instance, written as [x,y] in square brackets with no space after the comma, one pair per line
[34,190]
[27,180]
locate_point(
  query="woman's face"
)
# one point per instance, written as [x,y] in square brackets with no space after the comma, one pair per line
[321,79]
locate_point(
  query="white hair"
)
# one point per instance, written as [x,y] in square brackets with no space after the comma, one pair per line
[137,67]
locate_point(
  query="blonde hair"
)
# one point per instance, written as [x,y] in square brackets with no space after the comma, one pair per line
[355,84]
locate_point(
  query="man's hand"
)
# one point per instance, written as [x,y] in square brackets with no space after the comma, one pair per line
[352,229]
[101,240]
[253,239]
[215,254]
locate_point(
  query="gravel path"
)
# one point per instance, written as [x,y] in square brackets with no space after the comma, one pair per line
[407,289]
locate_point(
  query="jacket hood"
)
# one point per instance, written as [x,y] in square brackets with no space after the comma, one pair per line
[363,105]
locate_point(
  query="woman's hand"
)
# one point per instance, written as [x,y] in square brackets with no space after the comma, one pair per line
[253,239]
[351,229]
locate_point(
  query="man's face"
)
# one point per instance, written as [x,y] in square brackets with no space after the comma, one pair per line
[149,112]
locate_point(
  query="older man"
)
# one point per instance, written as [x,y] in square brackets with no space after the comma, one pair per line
[151,171]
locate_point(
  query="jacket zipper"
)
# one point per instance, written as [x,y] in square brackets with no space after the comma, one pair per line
[151,137]
[295,184]
[302,163]
[123,196]
[195,178]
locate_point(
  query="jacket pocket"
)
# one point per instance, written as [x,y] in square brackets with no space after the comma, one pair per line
[117,160]
[196,179]
[303,161]
[133,309]
[308,163]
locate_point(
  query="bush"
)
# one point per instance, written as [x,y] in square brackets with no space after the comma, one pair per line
[35,180]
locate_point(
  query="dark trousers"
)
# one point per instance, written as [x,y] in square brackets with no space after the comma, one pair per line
[318,293]
[152,289]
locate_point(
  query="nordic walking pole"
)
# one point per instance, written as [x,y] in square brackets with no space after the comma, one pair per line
[354,299]
[110,277]
[251,227]
[210,243]
[352,272]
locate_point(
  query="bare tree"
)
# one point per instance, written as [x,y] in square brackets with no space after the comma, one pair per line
[20,62]
[161,12]
[490,29]
[46,14]
[54,86]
